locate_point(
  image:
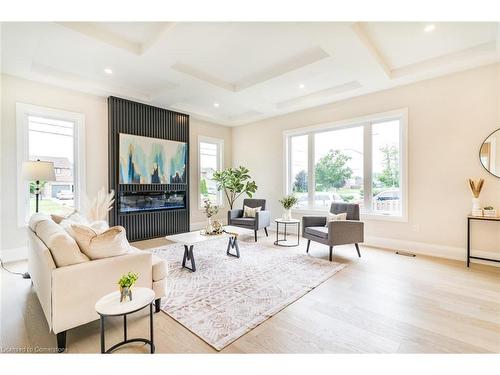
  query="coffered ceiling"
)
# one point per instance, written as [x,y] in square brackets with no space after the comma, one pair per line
[237,73]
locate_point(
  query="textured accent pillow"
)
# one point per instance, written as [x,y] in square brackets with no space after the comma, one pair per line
[334,217]
[36,219]
[63,248]
[95,245]
[250,212]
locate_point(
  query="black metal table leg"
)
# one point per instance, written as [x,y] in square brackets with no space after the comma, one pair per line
[233,244]
[125,327]
[103,350]
[151,338]
[468,242]
[188,255]
[285,232]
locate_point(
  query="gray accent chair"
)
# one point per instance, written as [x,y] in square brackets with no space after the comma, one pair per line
[341,232]
[261,221]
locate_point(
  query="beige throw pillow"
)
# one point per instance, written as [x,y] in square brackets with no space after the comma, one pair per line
[63,248]
[334,217]
[95,245]
[250,212]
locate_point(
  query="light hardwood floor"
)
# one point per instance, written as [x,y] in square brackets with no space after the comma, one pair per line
[380,303]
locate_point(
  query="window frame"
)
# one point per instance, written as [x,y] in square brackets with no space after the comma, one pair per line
[23,111]
[220,166]
[367,122]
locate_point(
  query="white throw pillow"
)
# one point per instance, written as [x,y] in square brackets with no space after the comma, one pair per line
[36,219]
[95,245]
[250,212]
[63,248]
[334,217]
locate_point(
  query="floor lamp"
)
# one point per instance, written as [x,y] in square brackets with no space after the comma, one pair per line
[38,171]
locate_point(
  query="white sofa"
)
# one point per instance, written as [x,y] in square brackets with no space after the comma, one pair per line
[68,293]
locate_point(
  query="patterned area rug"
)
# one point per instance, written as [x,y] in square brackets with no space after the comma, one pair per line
[227,297]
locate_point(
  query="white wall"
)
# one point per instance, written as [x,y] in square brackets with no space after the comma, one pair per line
[449,117]
[96,128]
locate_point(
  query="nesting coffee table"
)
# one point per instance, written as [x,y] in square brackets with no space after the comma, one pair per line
[190,239]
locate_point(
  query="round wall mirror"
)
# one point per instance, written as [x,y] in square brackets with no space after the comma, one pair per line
[489,154]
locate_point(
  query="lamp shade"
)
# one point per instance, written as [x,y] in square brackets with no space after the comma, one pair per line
[38,171]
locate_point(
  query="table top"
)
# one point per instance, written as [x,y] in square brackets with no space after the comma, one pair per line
[110,304]
[191,238]
[493,218]
[291,221]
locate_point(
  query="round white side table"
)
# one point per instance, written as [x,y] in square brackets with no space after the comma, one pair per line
[110,305]
[285,223]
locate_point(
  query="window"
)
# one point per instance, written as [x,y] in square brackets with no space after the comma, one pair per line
[210,157]
[50,135]
[359,161]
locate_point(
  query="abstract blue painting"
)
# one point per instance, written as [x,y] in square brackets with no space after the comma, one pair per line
[145,160]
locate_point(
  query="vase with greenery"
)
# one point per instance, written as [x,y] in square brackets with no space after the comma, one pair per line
[288,202]
[235,182]
[126,282]
[210,210]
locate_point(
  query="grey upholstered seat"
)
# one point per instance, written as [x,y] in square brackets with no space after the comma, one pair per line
[261,220]
[321,232]
[342,232]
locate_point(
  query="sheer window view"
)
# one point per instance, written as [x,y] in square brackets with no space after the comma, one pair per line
[385,168]
[209,163]
[53,140]
[338,174]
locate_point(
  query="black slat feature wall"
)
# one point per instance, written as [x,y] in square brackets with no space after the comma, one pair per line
[125,116]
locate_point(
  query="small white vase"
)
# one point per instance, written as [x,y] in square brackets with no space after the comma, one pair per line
[209,228]
[287,214]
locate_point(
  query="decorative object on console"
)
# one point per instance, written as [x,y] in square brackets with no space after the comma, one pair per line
[146,160]
[101,205]
[476,187]
[235,182]
[288,202]
[126,283]
[210,210]
[38,171]
[489,211]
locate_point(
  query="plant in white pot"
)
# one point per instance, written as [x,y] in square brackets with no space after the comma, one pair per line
[235,182]
[210,210]
[475,188]
[126,282]
[288,202]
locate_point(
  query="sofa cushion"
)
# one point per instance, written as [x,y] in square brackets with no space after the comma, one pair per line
[245,221]
[317,231]
[64,249]
[37,218]
[96,245]
[335,217]
[250,211]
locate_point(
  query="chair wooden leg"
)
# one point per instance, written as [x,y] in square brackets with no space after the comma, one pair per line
[255,233]
[357,249]
[308,243]
[61,341]
[267,234]
[331,253]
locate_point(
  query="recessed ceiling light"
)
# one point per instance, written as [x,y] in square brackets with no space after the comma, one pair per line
[216,105]
[108,71]
[429,28]
[301,86]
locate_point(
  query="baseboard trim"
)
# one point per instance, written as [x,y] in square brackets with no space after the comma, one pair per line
[423,248]
[14,255]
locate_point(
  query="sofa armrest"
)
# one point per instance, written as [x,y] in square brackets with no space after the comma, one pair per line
[234,214]
[262,219]
[76,288]
[312,221]
[341,232]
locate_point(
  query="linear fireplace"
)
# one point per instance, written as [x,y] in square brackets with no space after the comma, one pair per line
[151,201]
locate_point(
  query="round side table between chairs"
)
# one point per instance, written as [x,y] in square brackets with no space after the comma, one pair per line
[110,305]
[285,223]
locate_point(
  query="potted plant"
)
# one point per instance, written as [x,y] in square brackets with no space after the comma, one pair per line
[235,182]
[126,282]
[288,202]
[210,210]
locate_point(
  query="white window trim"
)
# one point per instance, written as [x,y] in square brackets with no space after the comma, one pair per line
[24,110]
[401,113]
[220,147]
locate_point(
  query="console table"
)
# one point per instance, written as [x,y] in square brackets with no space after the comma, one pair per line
[479,218]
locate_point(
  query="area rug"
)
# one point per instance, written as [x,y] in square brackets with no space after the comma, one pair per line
[227,297]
